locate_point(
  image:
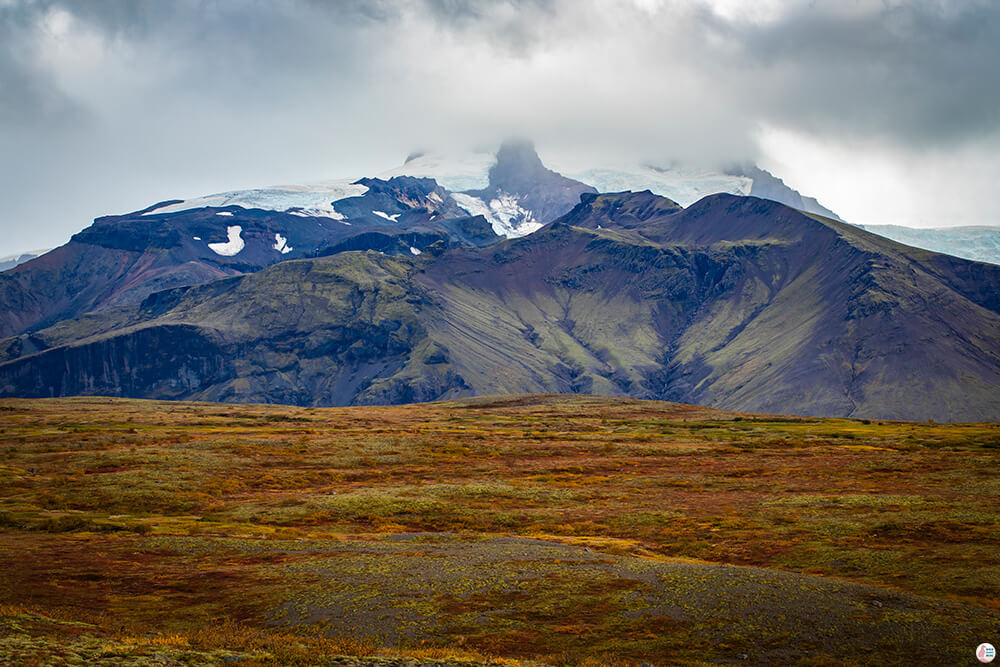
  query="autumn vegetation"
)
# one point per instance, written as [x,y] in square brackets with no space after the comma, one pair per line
[504,530]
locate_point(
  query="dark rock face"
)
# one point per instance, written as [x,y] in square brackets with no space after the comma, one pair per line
[735,302]
[135,235]
[413,199]
[167,362]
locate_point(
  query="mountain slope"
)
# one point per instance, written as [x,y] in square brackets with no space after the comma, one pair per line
[122,259]
[735,302]
[309,331]
[768,186]
[844,322]
[742,304]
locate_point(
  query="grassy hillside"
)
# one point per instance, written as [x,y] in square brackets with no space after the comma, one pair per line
[548,529]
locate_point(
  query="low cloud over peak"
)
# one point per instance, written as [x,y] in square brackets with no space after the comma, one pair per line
[113,105]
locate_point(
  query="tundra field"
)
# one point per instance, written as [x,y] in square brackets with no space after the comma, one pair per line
[514,530]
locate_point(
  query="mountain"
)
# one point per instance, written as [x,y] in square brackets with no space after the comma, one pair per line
[766,185]
[520,170]
[513,190]
[979,243]
[122,259]
[687,183]
[684,183]
[432,200]
[733,302]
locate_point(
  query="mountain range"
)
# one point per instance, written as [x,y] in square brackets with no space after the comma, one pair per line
[421,286]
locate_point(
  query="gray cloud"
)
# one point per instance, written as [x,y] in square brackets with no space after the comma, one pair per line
[515,26]
[921,72]
[28,94]
[106,106]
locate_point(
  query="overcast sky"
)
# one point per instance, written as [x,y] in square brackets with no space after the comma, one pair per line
[887,111]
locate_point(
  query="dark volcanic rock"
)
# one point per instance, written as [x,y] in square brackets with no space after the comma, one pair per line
[622,209]
[162,362]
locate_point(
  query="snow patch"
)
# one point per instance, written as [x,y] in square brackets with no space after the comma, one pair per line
[281,244]
[26,253]
[435,197]
[390,218]
[504,214]
[231,247]
[196,238]
[224,213]
[325,211]
[415,251]
[316,199]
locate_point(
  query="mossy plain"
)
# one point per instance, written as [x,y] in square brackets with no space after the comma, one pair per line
[518,529]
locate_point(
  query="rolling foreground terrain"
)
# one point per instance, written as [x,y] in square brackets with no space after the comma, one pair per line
[503,530]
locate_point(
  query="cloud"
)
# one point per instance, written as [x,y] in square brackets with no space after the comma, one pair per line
[114,104]
[917,73]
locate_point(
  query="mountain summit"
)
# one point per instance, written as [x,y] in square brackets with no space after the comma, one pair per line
[518,176]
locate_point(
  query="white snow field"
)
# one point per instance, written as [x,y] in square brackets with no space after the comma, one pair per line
[455,172]
[682,183]
[313,200]
[504,214]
